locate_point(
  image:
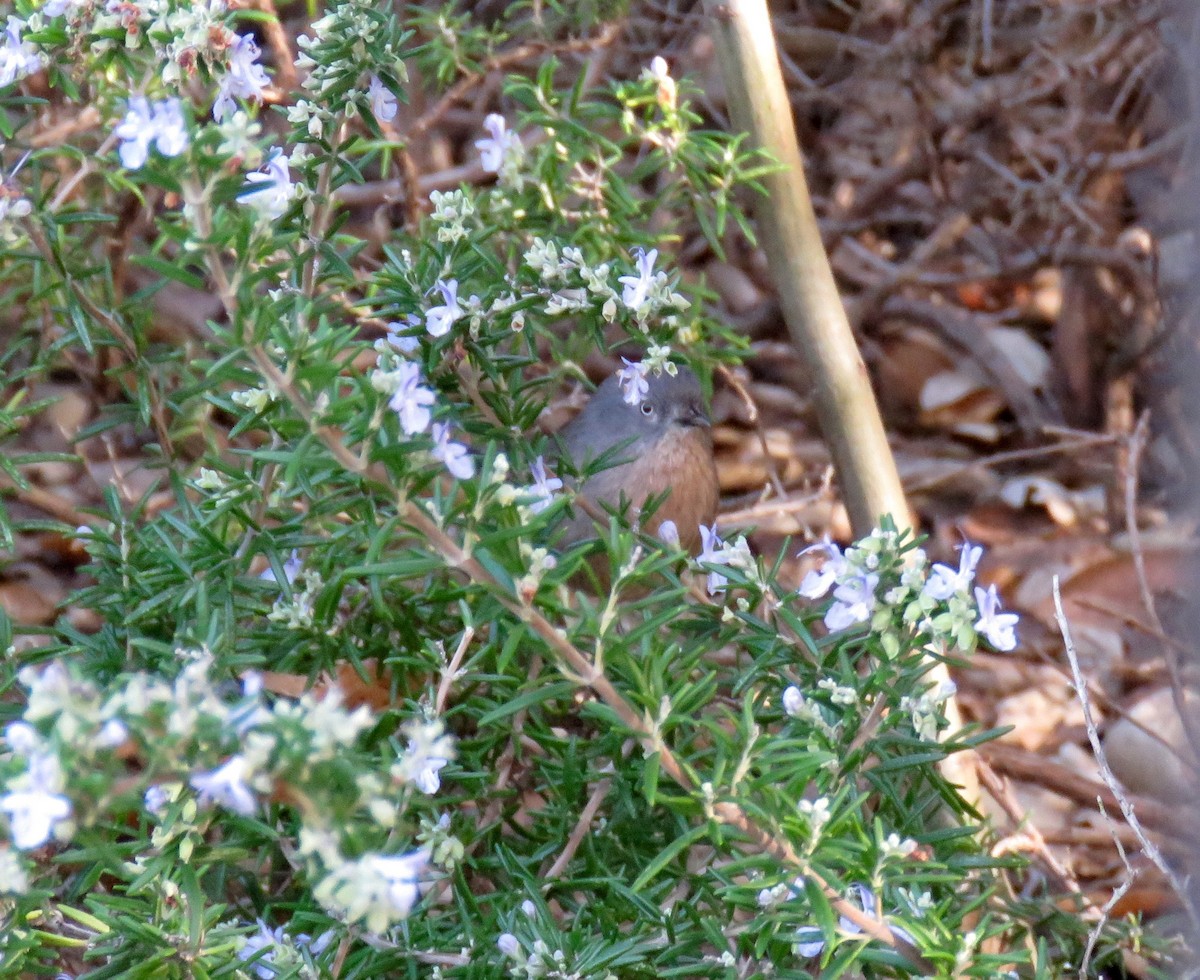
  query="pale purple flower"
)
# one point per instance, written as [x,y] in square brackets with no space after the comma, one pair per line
[809,941]
[318,945]
[429,750]
[494,149]
[632,381]
[411,400]
[510,946]
[853,587]
[21,737]
[854,601]
[404,343]
[818,581]
[998,627]
[32,815]
[543,486]
[245,79]
[863,897]
[453,454]
[161,124]
[769,898]
[944,581]
[291,568]
[155,800]
[793,700]
[252,680]
[668,533]
[270,939]
[227,786]
[56,8]
[34,810]
[269,193]
[112,734]
[252,712]
[17,58]
[402,876]
[439,319]
[171,137]
[637,288]
[713,552]
[383,102]
[376,888]
[264,939]
[427,779]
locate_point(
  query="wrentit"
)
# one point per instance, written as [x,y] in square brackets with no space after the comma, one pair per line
[661,445]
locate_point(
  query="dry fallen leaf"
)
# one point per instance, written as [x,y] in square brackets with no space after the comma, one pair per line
[1065,507]
[26,605]
[375,691]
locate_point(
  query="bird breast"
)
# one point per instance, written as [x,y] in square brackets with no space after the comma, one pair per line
[680,462]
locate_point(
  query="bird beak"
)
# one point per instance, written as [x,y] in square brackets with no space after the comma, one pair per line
[693,416]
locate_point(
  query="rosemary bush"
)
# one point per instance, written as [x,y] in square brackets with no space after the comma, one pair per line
[349,712]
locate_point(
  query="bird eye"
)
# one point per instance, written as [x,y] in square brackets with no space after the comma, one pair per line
[647,408]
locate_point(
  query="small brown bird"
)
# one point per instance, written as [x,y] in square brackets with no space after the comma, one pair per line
[663,443]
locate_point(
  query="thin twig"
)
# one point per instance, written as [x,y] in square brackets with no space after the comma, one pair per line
[67,187]
[1068,782]
[747,516]
[55,136]
[582,826]
[321,215]
[1000,792]
[1113,899]
[45,500]
[755,419]
[1137,442]
[1078,441]
[451,673]
[870,724]
[1110,779]
[469,375]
